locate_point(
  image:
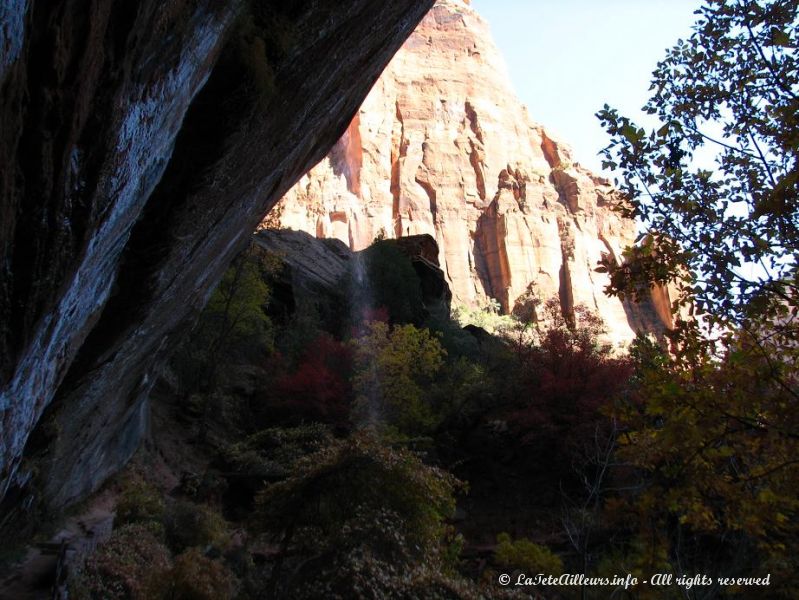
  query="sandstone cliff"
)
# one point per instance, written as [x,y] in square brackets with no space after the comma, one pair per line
[442,146]
[141,143]
[317,267]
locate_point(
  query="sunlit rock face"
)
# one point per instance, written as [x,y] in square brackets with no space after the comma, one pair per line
[137,159]
[442,146]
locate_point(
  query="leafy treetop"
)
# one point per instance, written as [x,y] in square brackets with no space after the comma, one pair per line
[728,234]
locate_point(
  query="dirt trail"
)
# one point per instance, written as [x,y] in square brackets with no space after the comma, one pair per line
[34,576]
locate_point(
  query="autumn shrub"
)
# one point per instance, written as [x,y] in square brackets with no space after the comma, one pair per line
[139,502]
[525,555]
[190,525]
[193,576]
[318,389]
[121,568]
[365,512]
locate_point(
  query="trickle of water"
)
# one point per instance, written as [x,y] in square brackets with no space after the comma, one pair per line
[362,294]
[361,305]
[359,268]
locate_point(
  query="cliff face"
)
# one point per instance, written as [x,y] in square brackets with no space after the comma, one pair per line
[442,146]
[317,267]
[141,144]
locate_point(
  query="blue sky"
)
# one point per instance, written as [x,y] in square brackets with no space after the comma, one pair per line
[569,57]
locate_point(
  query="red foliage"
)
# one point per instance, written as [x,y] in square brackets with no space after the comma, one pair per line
[318,389]
[568,383]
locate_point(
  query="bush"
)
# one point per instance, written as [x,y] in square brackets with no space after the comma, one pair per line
[360,509]
[193,577]
[454,338]
[271,453]
[464,390]
[330,486]
[487,317]
[318,390]
[139,502]
[121,568]
[361,574]
[189,525]
[526,556]
[209,487]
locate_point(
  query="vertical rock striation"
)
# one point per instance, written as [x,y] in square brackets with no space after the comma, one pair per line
[442,146]
[140,147]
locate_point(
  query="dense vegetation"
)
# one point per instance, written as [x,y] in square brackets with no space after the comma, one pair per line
[385,458]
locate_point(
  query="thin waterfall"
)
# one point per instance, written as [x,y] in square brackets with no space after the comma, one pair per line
[362,294]
[362,301]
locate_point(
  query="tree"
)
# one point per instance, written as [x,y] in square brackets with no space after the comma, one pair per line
[715,476]
[714,427]
[395,368]
[234,322]
[728,234]
[232,326]
[567,382]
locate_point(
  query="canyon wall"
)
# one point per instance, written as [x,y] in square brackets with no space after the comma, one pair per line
[141,143]
[443,146]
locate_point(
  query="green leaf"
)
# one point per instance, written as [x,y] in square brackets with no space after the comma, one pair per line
[630,133]
[780,38]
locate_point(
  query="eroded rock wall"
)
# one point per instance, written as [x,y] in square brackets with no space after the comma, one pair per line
[140,148]
[442,146]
